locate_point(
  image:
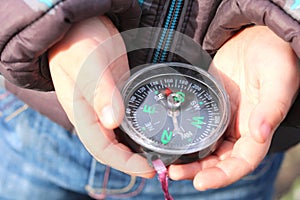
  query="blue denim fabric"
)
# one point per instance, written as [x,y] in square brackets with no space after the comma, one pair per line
[41,161]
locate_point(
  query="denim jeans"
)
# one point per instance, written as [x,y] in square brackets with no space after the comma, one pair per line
[41,161]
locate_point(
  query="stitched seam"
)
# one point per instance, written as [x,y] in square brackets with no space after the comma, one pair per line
[158,18]
[284,10]
[184,26]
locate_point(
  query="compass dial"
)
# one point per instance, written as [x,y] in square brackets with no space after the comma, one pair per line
[174,109]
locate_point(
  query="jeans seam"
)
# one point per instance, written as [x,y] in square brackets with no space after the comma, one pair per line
[16,112]
[103,192]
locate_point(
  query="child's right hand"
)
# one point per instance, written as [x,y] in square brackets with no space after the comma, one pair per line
[85,67]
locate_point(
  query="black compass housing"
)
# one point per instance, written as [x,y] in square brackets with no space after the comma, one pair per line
[174,111]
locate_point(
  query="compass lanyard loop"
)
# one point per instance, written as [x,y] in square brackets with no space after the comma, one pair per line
[161,170]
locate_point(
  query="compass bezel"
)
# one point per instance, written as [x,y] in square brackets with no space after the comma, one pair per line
[192,72]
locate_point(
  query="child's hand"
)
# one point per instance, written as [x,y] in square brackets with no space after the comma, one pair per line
[85,67]
[260,74]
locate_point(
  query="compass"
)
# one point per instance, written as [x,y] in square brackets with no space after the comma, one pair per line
[174,111]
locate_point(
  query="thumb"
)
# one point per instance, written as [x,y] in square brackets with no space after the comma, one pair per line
[275,101]
[96,81]
[108,102]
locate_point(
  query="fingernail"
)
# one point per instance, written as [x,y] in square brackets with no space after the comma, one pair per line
[108,117]
[265,131]
[199,184]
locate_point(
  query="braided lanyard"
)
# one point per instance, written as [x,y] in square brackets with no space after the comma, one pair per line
[161,170]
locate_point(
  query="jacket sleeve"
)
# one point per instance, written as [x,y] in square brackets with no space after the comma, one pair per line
[281,16]
[30,27]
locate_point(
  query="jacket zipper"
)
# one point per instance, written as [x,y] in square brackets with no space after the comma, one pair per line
[166,36]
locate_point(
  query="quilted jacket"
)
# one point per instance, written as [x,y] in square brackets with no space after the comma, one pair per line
[30,27]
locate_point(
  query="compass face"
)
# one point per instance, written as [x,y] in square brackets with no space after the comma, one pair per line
[174,109]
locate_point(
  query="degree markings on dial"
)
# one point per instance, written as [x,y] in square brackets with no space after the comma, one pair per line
[201,103]
[149,89]
[161,83]
[132,105]
[214,114]
[205,134]
[189,86]
[139,96]
[200,94]
[130,117]
[134,115]
[209,102]
[171,83]
[135,123]
[213,125]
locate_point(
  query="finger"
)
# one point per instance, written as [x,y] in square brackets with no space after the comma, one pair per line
[65,98]
[108,102]
[101,142]
[67,73]
[117,56]
[221,174]
[93,53]
[106,64]
[231,168]
[274,103]
[104,97]
[189,171]
[278,84]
